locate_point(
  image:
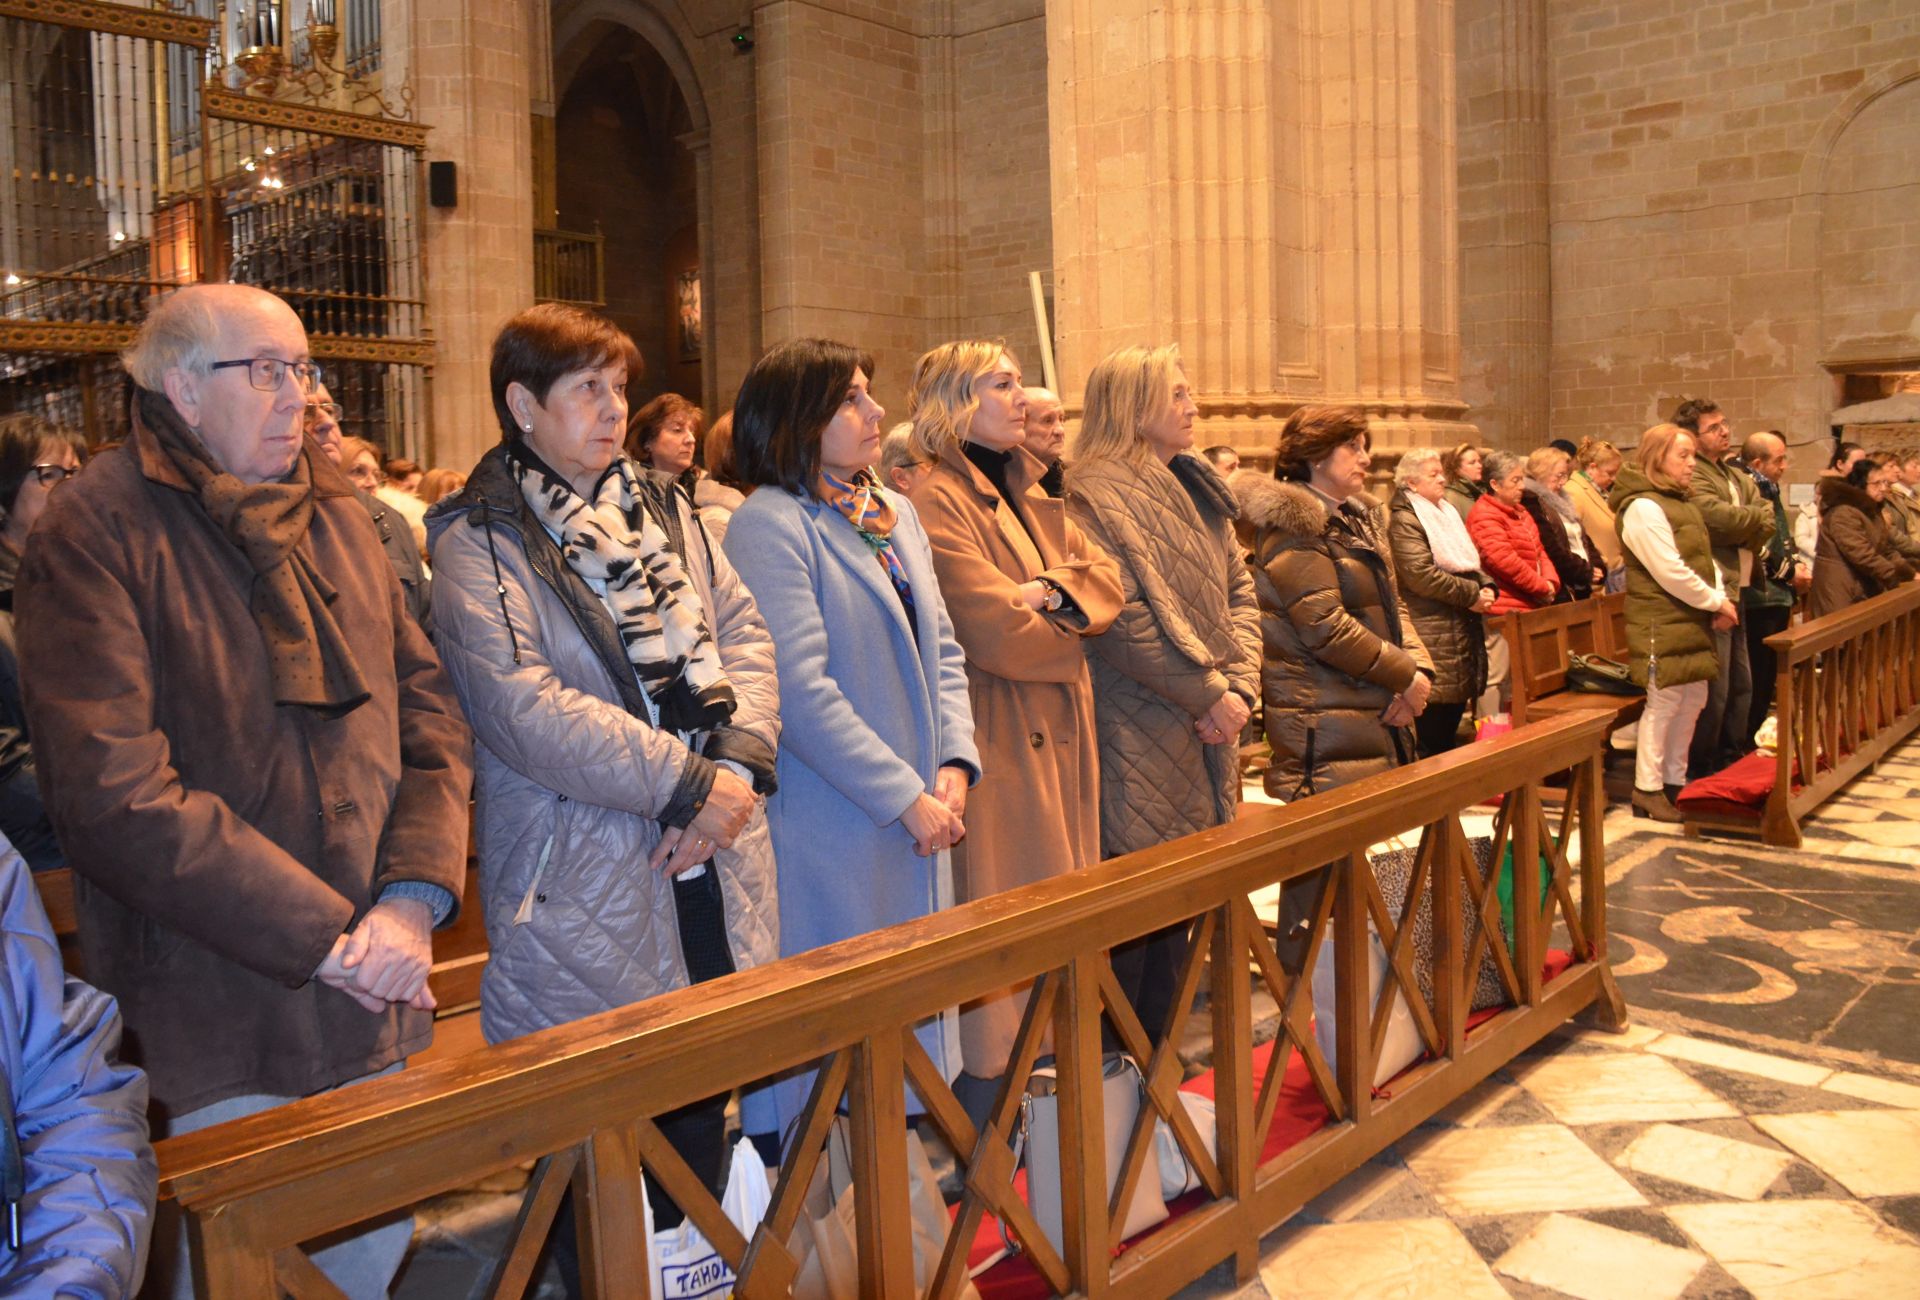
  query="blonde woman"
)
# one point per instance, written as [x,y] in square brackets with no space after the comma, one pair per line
[1675,605]
[1023,587]
[1544,495]
[1175,677]
[1596,465]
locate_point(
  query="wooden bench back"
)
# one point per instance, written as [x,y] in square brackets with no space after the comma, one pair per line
[1540,640]
[459,951]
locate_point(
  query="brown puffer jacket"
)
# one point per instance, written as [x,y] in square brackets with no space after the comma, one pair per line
[1441,604]
[1339,644]
[1854,559]
[1188,633]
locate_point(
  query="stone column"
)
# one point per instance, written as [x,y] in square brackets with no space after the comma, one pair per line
[470,67]
[1506,309]
[1271,186]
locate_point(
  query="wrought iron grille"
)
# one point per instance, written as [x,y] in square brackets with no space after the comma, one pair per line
[134,163]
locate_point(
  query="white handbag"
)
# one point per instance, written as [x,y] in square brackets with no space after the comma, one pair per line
[1123,1092]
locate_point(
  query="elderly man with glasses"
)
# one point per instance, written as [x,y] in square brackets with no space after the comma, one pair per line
[252,757]
[396,538]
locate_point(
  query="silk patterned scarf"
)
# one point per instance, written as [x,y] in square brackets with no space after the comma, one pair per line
[861,503]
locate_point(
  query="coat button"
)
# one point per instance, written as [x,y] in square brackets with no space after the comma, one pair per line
[1036,740]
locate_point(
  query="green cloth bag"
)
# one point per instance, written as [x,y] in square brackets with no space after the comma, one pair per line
[1505,887]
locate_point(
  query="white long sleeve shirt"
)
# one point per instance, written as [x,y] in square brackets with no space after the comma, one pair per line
[1644,530]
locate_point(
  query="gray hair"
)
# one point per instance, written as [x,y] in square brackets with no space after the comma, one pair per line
[178,334]
[1413,464]
[1499,464]
[897,450]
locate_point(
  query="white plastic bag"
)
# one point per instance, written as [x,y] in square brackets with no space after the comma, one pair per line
[685,1265]
[1402,1046]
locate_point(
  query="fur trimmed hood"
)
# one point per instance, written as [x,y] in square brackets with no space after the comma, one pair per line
[1836,491]
[1291,509]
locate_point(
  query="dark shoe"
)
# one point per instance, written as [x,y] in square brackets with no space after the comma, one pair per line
[1673,793]
[1654,804]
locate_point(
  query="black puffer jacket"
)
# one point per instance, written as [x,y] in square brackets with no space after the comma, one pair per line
[1339,644]
[1441,604]
[1576,574]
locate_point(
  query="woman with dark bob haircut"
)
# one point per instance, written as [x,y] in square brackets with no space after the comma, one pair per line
[35,458]
[877,745]
[621,688]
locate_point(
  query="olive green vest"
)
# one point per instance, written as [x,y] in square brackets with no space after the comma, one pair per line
[1670,642]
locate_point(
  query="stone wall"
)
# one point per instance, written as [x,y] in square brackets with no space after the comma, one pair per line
[1732,202]
[843,249]
[1271,186]
[1506,330]
[999,168]
[469,65]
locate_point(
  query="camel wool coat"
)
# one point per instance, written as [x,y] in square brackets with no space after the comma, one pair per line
[1036,811]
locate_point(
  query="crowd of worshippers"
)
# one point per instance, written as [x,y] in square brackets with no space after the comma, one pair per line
[827,680]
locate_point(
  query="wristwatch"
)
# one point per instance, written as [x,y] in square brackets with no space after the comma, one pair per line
[1055,597]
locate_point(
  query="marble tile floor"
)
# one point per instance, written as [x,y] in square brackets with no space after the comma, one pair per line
[1560,1176]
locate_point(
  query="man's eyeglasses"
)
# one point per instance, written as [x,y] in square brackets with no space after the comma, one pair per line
[331,410]
[268,373]
[47,475]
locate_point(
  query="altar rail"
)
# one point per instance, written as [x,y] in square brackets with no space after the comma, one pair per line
[1848,692]
[581,1099]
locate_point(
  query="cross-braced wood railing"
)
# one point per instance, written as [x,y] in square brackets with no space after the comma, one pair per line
[1848,691]
[581,1099]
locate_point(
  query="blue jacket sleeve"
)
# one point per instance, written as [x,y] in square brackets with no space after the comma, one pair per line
[79,1114]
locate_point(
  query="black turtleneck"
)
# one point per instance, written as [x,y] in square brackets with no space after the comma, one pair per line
[995,465]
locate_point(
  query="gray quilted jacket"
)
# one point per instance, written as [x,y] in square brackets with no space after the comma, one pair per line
[1188,633]
[572,783]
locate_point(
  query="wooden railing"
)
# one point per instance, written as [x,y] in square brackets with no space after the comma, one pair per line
[580,1099]
[569,266]
[1848,691]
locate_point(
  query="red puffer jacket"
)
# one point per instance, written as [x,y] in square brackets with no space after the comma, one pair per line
[1512,554]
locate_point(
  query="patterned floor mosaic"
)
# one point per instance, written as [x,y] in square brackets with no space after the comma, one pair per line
[1756,1133]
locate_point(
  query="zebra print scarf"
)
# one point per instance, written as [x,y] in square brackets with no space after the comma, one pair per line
[616,542]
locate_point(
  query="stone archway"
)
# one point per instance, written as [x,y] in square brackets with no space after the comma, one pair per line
[627,95]
[1857,228]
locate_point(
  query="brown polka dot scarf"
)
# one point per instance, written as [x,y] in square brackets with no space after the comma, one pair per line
[291,601]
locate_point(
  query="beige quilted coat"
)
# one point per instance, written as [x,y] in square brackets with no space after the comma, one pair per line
[1188,633]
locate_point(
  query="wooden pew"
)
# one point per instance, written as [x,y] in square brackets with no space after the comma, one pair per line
[1539,641]
[1847,692]
[581,1099]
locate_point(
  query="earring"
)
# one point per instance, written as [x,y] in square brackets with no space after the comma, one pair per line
[526,428]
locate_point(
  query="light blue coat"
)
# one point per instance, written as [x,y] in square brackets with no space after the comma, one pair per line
[869,715]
